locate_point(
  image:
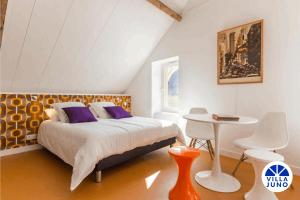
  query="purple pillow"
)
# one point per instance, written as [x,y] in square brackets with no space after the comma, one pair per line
[117,112]
[79,114]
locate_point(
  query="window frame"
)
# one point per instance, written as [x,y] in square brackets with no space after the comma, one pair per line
[168,69]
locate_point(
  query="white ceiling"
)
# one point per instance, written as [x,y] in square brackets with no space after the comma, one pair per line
[94,46]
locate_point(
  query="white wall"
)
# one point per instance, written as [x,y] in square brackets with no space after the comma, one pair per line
[194,41]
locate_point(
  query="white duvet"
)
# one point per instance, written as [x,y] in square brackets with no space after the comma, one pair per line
[82,145]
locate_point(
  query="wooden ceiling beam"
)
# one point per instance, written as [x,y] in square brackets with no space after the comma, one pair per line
[163,7]
[3,6]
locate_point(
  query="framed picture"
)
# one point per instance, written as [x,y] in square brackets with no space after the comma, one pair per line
[240,54]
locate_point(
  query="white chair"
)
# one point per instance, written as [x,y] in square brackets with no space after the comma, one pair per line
[200,133]
[259,159]
[270,135]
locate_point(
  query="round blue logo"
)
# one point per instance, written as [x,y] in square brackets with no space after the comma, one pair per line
[277,176]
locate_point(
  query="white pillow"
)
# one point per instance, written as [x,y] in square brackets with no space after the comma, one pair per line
[94,113]
[61,113]
[52,114]
[101,112]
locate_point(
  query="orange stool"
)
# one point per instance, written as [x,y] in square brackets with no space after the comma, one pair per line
[183,190]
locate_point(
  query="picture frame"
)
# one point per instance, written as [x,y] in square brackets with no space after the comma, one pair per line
[240,54]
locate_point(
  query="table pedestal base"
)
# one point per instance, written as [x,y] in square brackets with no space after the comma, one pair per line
[220,183]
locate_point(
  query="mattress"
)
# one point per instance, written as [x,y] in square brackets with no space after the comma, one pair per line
[82,145]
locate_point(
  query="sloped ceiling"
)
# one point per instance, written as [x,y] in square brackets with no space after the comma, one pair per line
[94,46]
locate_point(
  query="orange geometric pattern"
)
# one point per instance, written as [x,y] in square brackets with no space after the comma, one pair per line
[22,114]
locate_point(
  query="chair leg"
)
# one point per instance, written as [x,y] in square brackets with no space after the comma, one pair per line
[191,142]
[243,157]
[194,143]
[210,149]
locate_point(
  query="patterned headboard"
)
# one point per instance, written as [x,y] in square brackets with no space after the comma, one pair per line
[22,114]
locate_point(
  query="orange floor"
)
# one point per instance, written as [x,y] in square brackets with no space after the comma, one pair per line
[40,175]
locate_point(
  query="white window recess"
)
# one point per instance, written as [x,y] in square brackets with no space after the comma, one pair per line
[165,88]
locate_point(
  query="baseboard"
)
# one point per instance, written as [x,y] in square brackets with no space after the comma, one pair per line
[236,155]
[20,150]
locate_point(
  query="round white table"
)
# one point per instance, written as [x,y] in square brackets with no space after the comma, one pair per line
[215,179]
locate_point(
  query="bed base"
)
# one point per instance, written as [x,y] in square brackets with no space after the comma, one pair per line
[128,155]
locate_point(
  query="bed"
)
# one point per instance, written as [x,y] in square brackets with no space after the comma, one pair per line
[95,146]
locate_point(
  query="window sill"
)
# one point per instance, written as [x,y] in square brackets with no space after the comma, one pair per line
[169,112]
[172,116]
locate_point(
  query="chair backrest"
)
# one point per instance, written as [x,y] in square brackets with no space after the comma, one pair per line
[272,131]
[199,130]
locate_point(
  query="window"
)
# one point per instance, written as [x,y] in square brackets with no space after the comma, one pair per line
[165,86]
[170,87]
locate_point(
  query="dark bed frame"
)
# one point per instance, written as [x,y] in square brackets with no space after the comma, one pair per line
[128,155]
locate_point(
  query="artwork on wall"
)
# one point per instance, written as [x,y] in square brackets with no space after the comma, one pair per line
[240,54]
